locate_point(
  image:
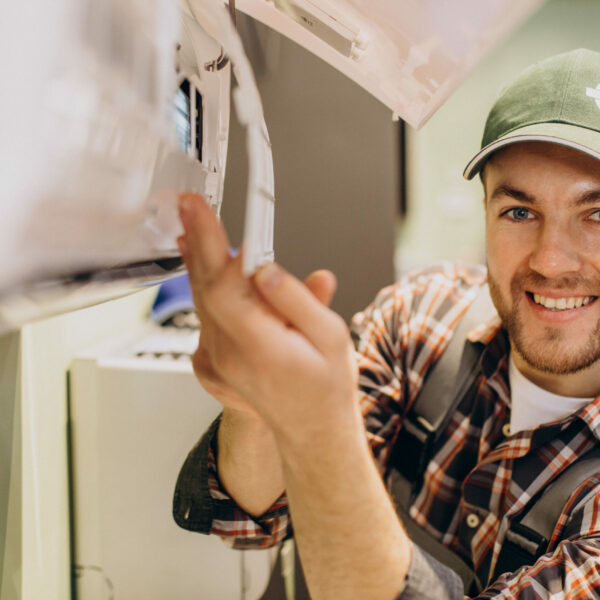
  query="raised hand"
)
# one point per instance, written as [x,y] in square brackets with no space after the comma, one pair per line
[262,338]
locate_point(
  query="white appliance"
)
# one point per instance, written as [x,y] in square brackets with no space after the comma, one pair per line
[136,411]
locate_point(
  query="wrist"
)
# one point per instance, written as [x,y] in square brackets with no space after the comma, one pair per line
[242,433]
[317,444]
[248,463]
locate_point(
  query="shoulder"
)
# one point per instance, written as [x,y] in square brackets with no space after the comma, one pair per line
[424,303]
[436,288]
[581,514]
[447,274]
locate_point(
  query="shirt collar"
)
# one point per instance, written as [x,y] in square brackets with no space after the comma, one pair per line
[485,332]
[494,357]
[494,361]
[590,415]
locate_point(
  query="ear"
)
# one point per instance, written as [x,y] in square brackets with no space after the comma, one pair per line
[482,177]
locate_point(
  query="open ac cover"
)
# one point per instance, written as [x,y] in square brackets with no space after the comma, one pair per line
[111,108]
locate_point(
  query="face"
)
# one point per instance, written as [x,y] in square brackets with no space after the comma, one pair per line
[543,250]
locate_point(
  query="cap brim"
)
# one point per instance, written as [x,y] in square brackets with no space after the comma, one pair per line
[580,138]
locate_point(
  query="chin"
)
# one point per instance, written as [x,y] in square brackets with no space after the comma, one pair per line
[556,358]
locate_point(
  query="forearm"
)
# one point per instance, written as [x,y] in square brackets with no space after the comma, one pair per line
[248,463]
[351,542]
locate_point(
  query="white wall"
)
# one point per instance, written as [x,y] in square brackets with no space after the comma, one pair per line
[35,518]
[445,215]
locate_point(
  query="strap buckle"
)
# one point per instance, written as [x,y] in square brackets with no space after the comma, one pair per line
[522,546]
[412,448]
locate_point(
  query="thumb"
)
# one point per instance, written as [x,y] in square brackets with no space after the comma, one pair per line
[294,301]
[322,285]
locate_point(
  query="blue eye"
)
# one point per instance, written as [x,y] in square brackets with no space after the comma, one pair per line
[519,214]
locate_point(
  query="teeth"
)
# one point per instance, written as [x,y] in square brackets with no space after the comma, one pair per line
[562,303]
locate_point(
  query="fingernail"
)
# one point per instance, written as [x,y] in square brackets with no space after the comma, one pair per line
[182,245]
[269,276]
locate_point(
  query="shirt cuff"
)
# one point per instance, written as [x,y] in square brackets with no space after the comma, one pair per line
[193,506]
[201,504]
[428,578]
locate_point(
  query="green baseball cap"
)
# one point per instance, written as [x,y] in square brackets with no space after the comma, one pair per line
[556,100]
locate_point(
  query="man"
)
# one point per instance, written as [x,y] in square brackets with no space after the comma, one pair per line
[283,367]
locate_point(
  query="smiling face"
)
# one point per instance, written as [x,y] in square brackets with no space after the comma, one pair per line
[543,250]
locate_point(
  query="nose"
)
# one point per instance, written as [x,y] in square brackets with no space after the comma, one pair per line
[555,253]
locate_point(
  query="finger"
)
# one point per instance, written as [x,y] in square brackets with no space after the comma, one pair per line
[253,326]
[183,250]
[322,285]
[294,301]
[205,244]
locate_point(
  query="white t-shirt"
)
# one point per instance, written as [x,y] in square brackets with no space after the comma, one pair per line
[532,406]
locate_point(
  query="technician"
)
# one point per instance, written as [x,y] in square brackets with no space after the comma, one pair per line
[284,368]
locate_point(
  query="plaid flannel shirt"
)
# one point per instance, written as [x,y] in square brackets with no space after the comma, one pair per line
[480,476]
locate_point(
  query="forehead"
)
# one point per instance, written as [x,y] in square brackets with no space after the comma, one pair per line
[541,166]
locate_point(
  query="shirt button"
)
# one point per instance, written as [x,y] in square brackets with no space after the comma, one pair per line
[472,520]
[506,429]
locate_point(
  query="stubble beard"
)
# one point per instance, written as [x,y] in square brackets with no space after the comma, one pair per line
[548,354]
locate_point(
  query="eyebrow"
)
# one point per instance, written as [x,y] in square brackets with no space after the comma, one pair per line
[591,197]
[506,190]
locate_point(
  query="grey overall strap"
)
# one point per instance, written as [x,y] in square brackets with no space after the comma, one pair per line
[528,537]
[445,385]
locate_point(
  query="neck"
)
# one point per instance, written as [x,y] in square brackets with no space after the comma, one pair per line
[582,384]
